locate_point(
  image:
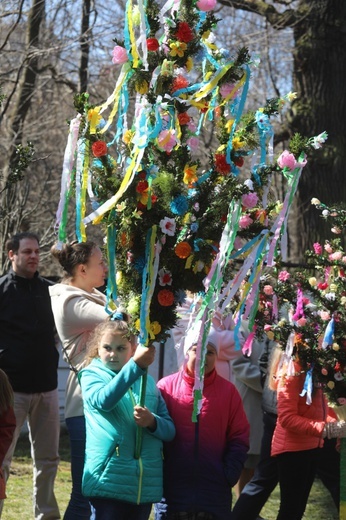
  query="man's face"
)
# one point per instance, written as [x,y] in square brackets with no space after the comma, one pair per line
[25,261]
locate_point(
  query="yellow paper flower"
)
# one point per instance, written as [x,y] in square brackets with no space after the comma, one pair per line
[189,64]
[177,49]
[190,174]
[229,125]
[335,347]
[142,87]
[138,324]
[331,385]
[94,118]
[313,281]
[127,136]
[155,327]
[237,143]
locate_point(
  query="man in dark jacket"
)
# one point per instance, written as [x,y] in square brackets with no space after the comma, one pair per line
[29,356]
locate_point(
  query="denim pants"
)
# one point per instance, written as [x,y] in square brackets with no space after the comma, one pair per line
[41,411]
[78,507]
[257,491]
[107,509]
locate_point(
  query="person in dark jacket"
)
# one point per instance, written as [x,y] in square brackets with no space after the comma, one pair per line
[29,357]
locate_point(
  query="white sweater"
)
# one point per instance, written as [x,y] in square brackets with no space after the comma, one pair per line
[76,314]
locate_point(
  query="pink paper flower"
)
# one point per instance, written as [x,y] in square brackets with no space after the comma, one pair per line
[193,143]
[325,316]
[287,160]
[226,89]
[119,55]
[245,221]
[206,5]
[167,140]
[268,290]
[335,256]
[301,322]
[249,200]
[284,276]
[317,248]
[328,248]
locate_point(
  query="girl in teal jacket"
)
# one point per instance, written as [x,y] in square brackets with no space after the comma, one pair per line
[119,485]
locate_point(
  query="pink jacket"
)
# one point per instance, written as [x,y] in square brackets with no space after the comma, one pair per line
[205,459]
[299,426]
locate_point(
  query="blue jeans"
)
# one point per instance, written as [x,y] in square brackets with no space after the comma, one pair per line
[108,509]
[266,476]
[78,507]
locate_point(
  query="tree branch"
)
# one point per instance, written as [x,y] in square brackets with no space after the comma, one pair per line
[278,20]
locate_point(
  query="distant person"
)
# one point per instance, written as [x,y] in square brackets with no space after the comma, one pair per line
[205,459]
[7,424]
[247,380]
[29,357]
[120,486]
[78,308]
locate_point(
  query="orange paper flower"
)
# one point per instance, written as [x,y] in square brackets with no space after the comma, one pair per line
[183,249]
[165,297]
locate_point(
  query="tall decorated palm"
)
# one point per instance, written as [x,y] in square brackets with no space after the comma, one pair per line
[177,214]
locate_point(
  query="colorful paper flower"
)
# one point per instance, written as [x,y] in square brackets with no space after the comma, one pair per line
[184,32]
[221,164]
[179,82]
[183,118]
[206,5]
[167,140]
[99,148]
[165,298]
[152,44]
[165,277]
[190,176]
[119,55]
[167,226]
[177,49]
[183,249]
[179,205]
[249,200]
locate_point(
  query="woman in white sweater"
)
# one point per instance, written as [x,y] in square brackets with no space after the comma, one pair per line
[78,307]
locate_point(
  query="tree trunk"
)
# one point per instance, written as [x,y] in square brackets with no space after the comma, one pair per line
[85,47]
[319,78]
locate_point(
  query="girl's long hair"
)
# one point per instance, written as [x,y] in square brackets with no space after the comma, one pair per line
[6,393]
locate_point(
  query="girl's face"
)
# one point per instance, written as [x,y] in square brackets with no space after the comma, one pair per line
[209,362]
[115,350]
[95,270]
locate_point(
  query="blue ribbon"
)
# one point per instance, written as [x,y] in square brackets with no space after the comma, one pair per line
[307,388]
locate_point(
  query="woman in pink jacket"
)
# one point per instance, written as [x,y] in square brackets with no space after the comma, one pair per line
[299,434]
